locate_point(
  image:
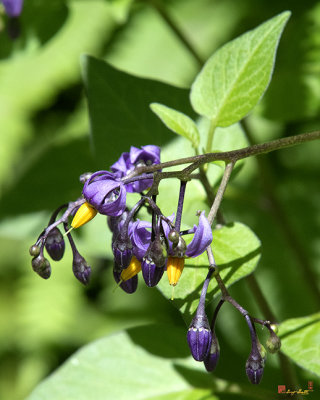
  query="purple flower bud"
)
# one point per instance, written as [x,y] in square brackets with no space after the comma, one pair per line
[153,264]
[151,273]
[122,251]
[211,361]
[13,7]
[55,245]
[254,368]
[199,337]
[105,193]
[255,363]
[81,269]
[130,285]
[41,266]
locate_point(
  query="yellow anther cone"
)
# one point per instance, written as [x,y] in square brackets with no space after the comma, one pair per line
[175,266]
[84,214]
[133,269]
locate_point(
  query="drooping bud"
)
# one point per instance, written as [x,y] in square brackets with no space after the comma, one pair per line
[273,343]
[122,250]
[254,367]
[180,248]
[199,337]
[41,266]
[153,263]
[174,236]
[130,285]
[211,361]
[55,245]
[133,269]
[80,268]
[34,250]
[84,214]
[175,267]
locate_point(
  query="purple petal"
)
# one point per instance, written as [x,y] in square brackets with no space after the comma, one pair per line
[13,7]
[104,192]
[201,239]
[140,238]
[149,154]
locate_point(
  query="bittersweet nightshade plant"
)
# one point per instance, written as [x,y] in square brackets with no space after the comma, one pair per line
[222,94]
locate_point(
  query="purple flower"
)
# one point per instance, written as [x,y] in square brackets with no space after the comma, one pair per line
[201,239]
[13,7]
[127,162]
[106,193]
[140,237]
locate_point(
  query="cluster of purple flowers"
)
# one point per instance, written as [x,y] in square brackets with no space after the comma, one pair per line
[150,247]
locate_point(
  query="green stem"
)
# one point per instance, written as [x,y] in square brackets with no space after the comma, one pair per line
[218,198]
[211,130]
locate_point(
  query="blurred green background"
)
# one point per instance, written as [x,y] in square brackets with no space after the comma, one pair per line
[44,131]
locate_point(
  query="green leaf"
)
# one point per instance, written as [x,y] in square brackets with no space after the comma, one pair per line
[237,251]
[177,122]
[300,338]
[119,109]
[234,79]
[139,364]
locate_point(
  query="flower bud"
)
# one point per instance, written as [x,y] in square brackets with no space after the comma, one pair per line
[151,273]
[211,361]
[180,248]
[81,269]
[174,236]
[130,285]
[41,266]
[273,343]
[122,251]
[34,250]
[254,367]
[199,337]
[55,245]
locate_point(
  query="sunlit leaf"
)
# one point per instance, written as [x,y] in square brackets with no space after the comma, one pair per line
[177,122]
[237,251]
[236,76]
[300,338]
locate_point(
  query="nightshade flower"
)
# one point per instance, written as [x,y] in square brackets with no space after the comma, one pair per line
[200,241]
[13,7]
[106,193]
[127,162]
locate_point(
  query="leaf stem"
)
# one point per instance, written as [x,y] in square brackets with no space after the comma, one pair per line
[211,130]
[223,184]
